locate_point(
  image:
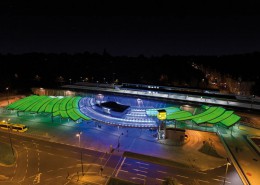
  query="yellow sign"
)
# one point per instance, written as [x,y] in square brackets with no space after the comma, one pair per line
[162,114]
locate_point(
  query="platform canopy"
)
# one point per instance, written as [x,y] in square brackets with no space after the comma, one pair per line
[65,107]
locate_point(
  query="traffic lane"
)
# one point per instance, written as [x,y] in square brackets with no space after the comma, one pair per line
[51,147]
[136,168]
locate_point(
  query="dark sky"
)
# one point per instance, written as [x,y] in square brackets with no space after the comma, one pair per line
[131,35]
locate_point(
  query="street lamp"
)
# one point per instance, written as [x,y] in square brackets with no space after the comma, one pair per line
[70,80]
[118,144]
[9,129]
[7,89]
[78,135]
[228,163]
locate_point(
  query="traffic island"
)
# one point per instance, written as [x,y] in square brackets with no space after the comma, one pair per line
[88,178]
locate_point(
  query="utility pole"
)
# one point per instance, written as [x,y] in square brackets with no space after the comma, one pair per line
[228,163]
[7,89]
[78,135]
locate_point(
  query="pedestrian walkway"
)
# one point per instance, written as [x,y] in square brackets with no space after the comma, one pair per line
[246,157]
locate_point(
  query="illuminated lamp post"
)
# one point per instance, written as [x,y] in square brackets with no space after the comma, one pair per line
[118,144]
[227,164]
[78,135]
[9,129]
[7,90]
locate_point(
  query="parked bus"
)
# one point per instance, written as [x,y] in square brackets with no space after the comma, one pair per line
[13,127]
[4,125]
[19,127]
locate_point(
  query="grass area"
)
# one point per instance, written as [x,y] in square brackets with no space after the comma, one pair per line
[6,154]
[156,160]
[116,181]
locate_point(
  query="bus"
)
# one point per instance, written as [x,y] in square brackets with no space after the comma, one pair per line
[13,127]
[4,125]
[19,127]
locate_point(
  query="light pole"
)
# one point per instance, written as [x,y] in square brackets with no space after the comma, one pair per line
[9,129]
[118,144]
[78,135]
[70,80]
[7,89]
[228,163]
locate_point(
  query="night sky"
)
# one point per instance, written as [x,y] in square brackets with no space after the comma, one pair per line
[131,35]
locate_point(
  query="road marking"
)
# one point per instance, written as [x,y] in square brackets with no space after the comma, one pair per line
[50,153]
[141,175]
[138,178]
[222,180]
[182,176]
[127,164]
[161,171]
[203,181]
[159,179]
[120,166]
[222,177]
[124,171]
[142,163]
[140,171]
[143,167]
[50,171]
[202,173]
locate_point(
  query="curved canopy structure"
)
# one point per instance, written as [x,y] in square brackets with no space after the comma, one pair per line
[66,107]
[76,108]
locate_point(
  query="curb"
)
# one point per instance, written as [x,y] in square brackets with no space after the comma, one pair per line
[234,161]
[252,144]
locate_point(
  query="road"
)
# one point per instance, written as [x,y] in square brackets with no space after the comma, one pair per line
[43,162]
[150,173]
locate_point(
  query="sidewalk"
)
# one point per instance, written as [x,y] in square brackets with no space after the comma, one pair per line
[246,157]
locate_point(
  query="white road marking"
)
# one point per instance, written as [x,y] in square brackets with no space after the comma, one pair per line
[161,171]
[142,163]
[202,173]
[124,171]
[141,175]
[137,178]
[159,179]
[120,166]
[140,171]
[50,170]
[182,176]
[203,181]
[143,167]
[222,180]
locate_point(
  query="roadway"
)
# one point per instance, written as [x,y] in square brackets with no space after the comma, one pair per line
[149,173]
[44,162]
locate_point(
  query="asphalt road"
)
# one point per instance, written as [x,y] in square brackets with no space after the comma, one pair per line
[150,173]
[43,162]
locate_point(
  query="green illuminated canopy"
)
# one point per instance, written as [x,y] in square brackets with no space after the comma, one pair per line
[67,107]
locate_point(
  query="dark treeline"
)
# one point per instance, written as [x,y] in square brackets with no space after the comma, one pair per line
[20,72]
